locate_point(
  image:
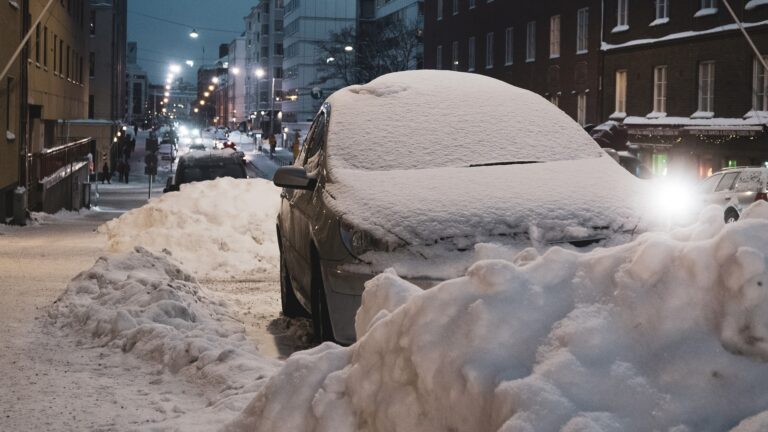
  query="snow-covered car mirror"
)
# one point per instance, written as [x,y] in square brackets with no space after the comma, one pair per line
[294,178]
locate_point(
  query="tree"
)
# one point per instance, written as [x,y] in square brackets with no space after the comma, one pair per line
[377,48]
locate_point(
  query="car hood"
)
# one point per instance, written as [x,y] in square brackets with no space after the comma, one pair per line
[543,202]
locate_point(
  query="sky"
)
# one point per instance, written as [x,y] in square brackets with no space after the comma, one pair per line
[161,43]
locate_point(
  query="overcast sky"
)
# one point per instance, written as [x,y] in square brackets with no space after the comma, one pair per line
[161,43]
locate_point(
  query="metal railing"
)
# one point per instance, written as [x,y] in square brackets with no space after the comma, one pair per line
[50,160]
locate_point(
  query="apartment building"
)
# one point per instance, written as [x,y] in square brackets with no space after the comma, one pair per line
[11,126]
[264,60]
[686,84]
[107,26]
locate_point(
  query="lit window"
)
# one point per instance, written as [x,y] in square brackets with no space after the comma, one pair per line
[554,36]
[621,91]
[581,109]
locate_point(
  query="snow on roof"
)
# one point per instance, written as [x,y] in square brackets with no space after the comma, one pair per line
[667,333]
[430,119]
[752,118]
[681,35]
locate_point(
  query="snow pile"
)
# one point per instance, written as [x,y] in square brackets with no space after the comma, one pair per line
[667,333]
[143,304]
[218,229]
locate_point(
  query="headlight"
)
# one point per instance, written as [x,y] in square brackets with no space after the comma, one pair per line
[358,242]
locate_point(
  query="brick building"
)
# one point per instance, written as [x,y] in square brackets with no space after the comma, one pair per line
[685,82]
[549,47]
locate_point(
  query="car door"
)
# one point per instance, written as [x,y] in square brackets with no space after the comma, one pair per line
[724,194]
[300,210]
[749,183]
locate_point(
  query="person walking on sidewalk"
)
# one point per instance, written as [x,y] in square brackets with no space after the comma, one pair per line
[105,174]
[126,171]
[272,145]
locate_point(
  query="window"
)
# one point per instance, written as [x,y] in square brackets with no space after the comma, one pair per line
[555,100]
[659,164]
[37,44]
[455,7]
[55,53]
[439,57]
[582,31]
[581,109]
[621,91]
[92,64]
[530,47]
[61,58]
[489,50]
[759,86]
[708,4]
[439,9]
[707,86]
[455,56]
[708,7]
[554,36]
[660,89]
[471,4]
[662,9]
[508,50]
[622,15]
[471,54]
[92,23]
[45,46]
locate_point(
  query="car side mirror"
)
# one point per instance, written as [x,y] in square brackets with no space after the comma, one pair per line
[292,177]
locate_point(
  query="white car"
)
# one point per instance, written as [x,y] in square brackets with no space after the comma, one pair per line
[166,152]
[416,169]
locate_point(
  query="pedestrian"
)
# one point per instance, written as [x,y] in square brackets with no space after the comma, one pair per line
[135,129]
[127,171]
[105,174]
[121,170]
[272,145]
[295,147]
[127,152]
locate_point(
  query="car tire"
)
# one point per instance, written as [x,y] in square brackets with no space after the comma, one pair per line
[321,319]
[731,215]
[290,304]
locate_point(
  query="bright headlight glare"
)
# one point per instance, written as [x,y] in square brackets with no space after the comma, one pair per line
[673,198]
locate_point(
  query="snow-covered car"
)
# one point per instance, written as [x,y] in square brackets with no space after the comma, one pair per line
[735,189]
[209,165]
[399,174]
[166,151]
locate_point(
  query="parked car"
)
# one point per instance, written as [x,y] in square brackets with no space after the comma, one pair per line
[735,189]
[201,166]
[197,147]
[166,151]
[393,175]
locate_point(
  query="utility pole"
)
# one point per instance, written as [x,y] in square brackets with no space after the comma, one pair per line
[272,113]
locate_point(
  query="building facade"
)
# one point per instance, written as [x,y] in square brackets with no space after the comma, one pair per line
[549,47]
[107,29]
[237,73]
[137,88]
[686,84]
[306,23]
[11,127]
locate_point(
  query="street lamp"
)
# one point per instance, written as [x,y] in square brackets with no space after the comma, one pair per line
[235,71]
[330,60]
[194,34]
[190,63]
[348,48]
[174,68]
[215,80]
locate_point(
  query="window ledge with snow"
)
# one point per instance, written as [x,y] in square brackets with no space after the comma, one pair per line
[618,115]
[14,4]
[620,28]
[705,12]
[9,136]
[702,115]
[660,21]
[751,4]
[655,115]
[761,115]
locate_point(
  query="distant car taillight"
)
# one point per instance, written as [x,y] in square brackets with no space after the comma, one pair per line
[761,196]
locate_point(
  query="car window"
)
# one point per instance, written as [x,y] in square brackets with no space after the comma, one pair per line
[749,181]
[301,160]
[315,145]
[727,182]
[211,172]
[709,184]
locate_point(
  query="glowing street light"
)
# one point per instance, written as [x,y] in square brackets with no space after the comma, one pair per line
[194,34]
[166,94]
[236,71]
[260,73]
[190,63]
[202,102]
[174,68]
[330,60]
[211,87]
[348,48]
[215,80]
[206,94]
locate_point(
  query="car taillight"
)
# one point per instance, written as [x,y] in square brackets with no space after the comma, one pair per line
[761,196]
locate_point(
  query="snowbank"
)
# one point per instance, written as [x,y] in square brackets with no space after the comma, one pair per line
[667,333]
[144,304]
[217,229]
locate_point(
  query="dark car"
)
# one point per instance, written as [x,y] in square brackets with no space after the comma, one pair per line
[210,165]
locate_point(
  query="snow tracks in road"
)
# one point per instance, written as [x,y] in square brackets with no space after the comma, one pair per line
[667,333]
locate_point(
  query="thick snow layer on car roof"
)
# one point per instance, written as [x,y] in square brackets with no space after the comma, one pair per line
[429,119]
[667,333]
[546,201]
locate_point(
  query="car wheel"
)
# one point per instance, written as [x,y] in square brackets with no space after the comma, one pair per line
[731,216]
[321,320]
[290,304]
